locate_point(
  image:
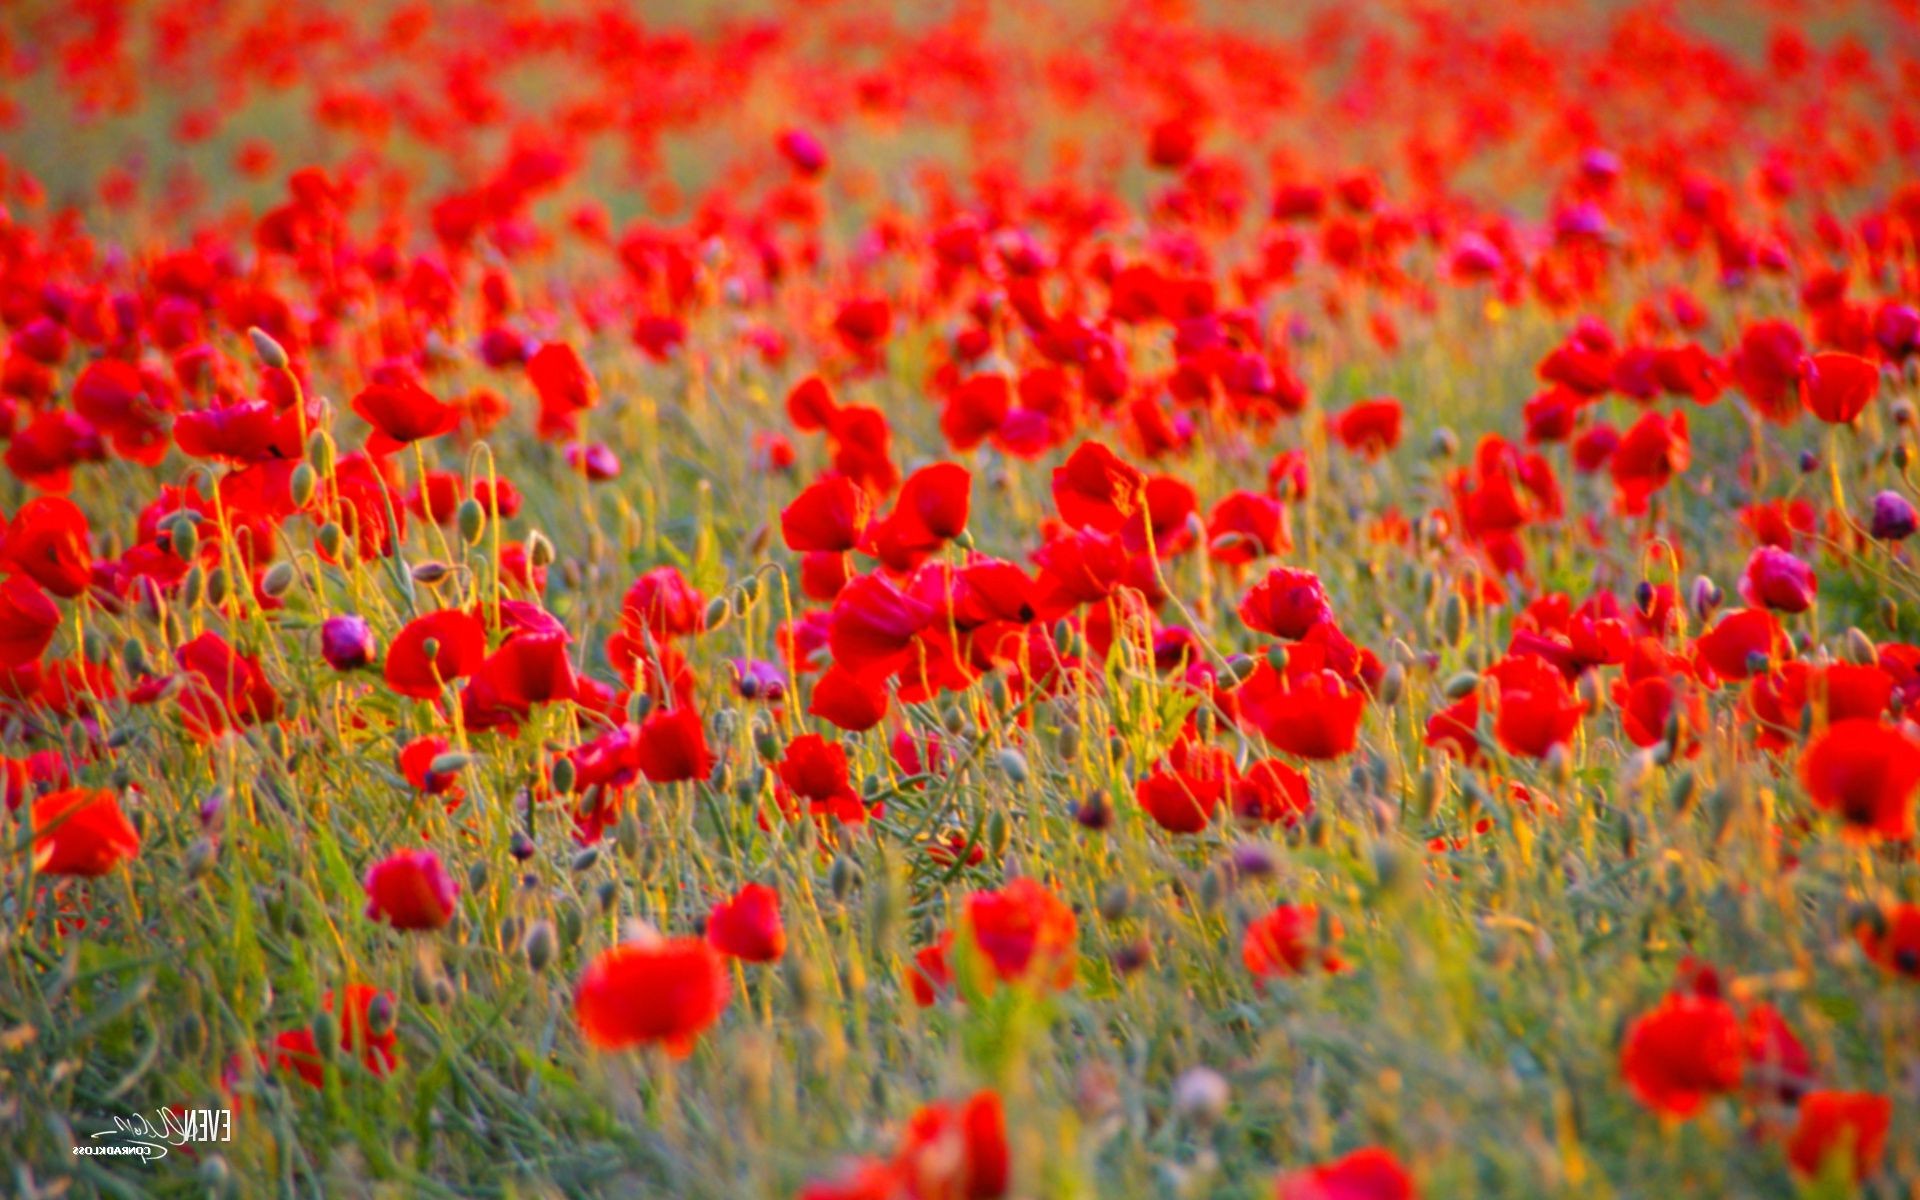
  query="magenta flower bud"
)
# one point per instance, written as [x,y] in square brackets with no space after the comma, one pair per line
[1777,580]
[346,642]
[1893,517]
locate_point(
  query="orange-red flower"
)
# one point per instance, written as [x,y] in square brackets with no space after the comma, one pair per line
[1848,1126]
[1683,1053]
[81,831]
[1865,773]
[662,992]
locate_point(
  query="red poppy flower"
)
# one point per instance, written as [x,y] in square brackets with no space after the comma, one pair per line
[956,1151]
[1024,933]
[1287,604]
[402,412]
[1891,940]
[664,604]
[815,770]
[1311,713]
[1096,490]
[655,992]
[223,687]
[1367,1174]
[829,516]
[1245,526]
[411,890]
[565,389]
[1650,454]
[1848,1126]
[416,763]
[873,624]
[1682,1053]
[1270,791]
[1287,941]
[1838,387]
[433,650]
[1183,801]
[1865,773]
[747,927]
[671,746]
[849,701]
[297,1050]
[1370,428]
[1741,644]
[28,621]
[1537,710]
[81,831]
[47,542]
[1777,580]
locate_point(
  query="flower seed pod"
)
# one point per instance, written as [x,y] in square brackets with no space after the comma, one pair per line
[331,539]
[1859,649]
[270,353]
[471,519]
[539,550]
[540,945]
[1012,764]
[1460,685]
[1453,619]
[278,580]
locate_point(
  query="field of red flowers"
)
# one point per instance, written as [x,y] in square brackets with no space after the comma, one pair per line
[988,598]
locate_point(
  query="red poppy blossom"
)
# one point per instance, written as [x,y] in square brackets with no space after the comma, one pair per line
[1682,1053]
[81,831]
[829,516]
[662,992]
[747,926]
[1848,1126]
[1370,428]
[1096,490]
[1866,774]
[402,413]
[1024,933]
[956,1150]
[28,621]
[1288,941]
[1837,387]
[1367,1174]
[1286,604]
[433,650]
[671,746]
[411,890]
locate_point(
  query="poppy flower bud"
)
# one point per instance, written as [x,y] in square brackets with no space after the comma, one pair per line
[194,586]
[303,484]
[332,539]
[1704,597]
[270,352]
[183,534]
[1859,648]
[540,945]
[1809,462]
[718,610]
[1453,620]
[430,573]
[1460,685]
[346,642]
[842,877]
[585,859]
[520,846]
[277,580]
[1893,517]
[539,550]
[1444,444]
[1012,764]
[320,452]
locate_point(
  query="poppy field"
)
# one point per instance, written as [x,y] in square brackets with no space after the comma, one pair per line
[852,601]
